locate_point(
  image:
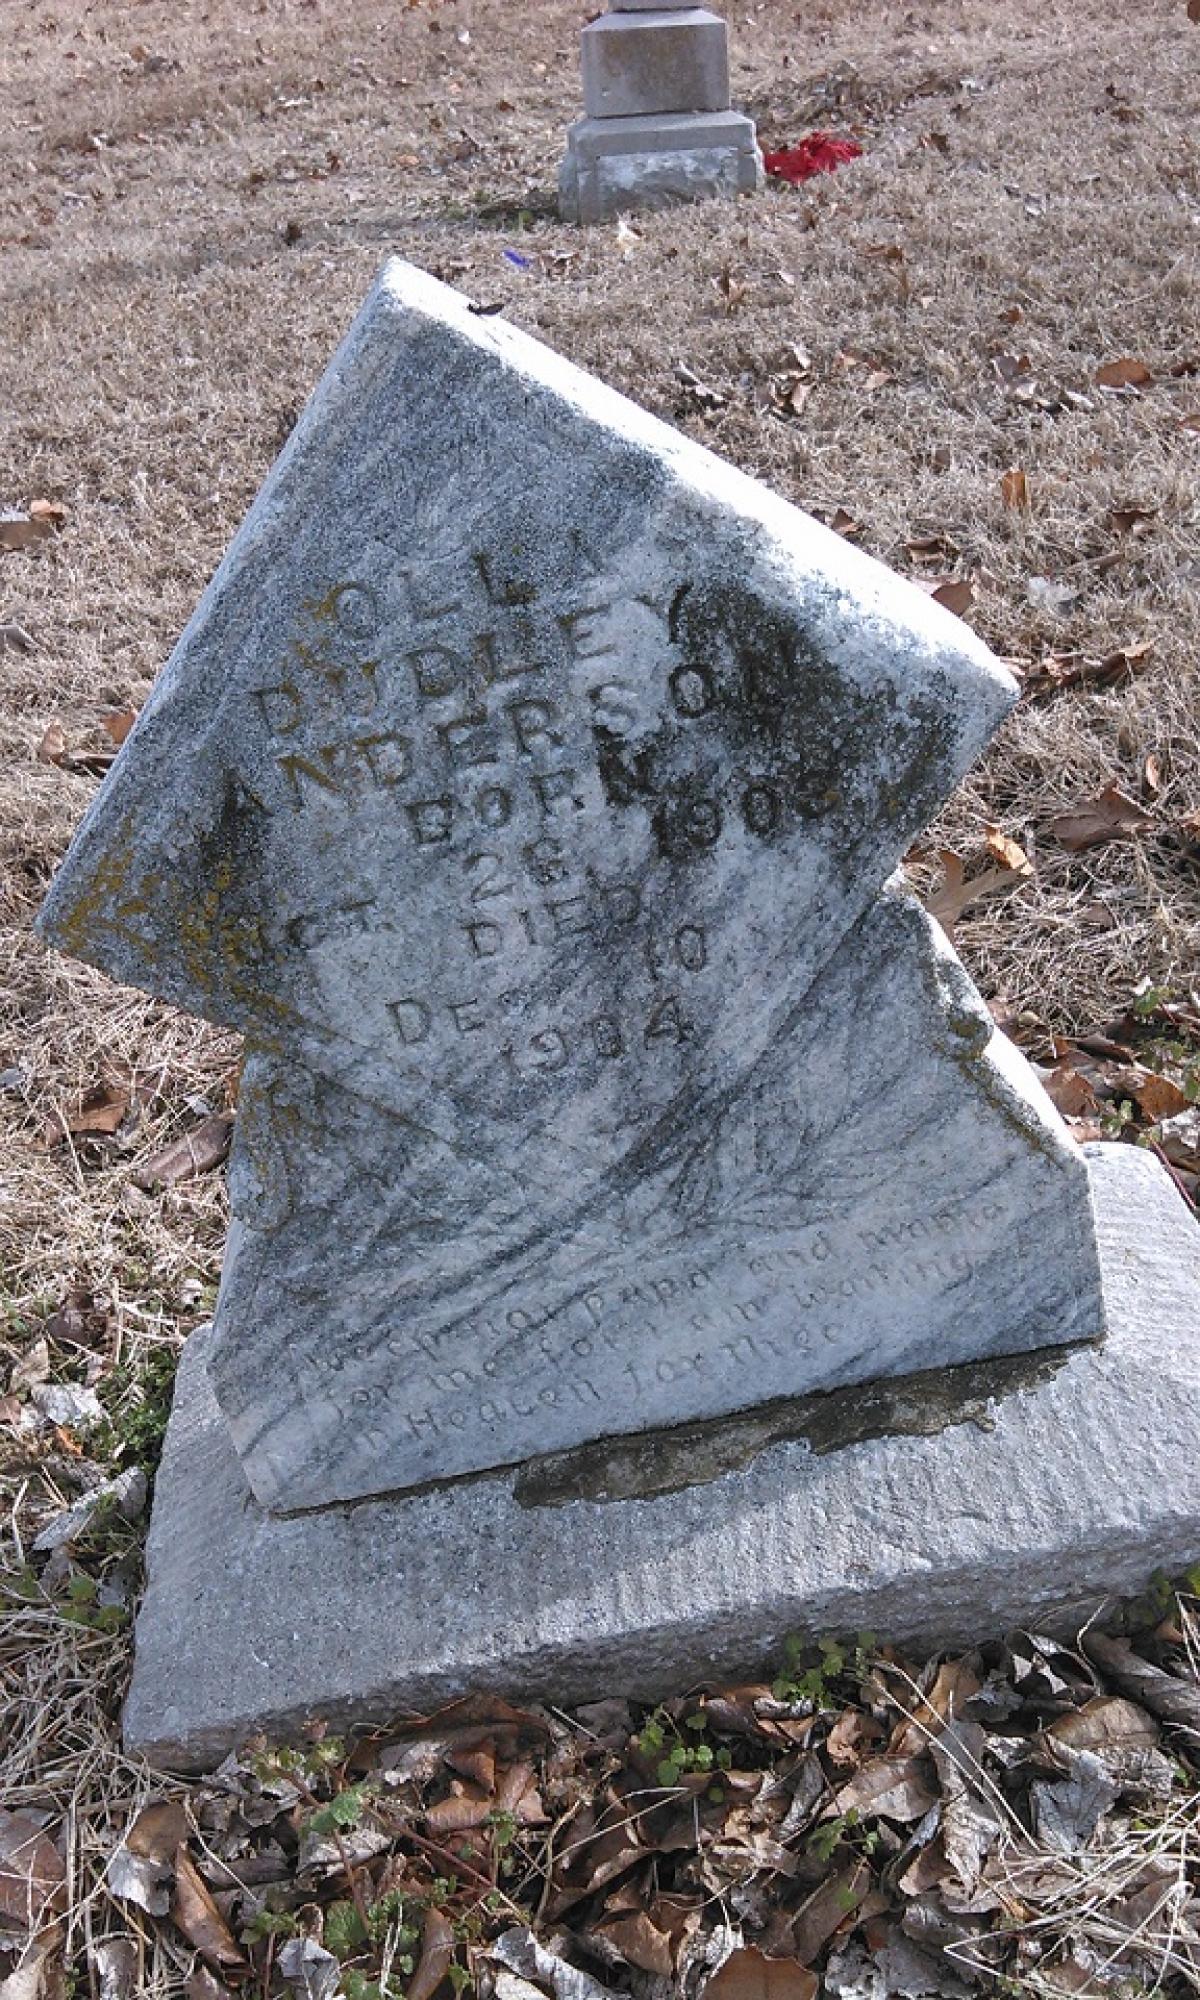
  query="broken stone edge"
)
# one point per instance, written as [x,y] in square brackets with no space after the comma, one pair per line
[1041,1506]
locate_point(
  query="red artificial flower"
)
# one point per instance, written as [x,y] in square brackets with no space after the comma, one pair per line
[820,153]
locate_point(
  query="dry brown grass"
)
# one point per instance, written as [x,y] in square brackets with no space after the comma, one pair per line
[193,199]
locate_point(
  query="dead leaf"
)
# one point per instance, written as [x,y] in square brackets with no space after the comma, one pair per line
[517,1793]
[473,1759]
[1069,1092]
[954,1684]
[138,1878]
[53,746]
[55,749]
[32,1368]
[116,1961]
[1165,1695]
[1152,774]
[197,1916]
[641,1943]
[1125,373]
[102,1112]
[127,1494]
[38,1974]
[896,1788]
[24,530]
[955,895]
[956,593]
[1012,367]
[748,1974]
[80,1321]
[70,1407]
[931,548]
[197,1152]
[32,1873]
[830,1905]
[1156,1096]
[465,1808]
[1066,1814]
[306,1965]
[1106,1720]
[741,1711]
[1053,594]
[1008,852]
[1014,488]
[159,1830]
[1110,816]
[1064,670]
[851,1734]
[119,722]
[733,290]
[1180,1139]
[792,393]
[326,1852]
[201,1984]
[844,523]
[971,1824]
[519,1951]
[1126,519]
[437,1955]
[701,393]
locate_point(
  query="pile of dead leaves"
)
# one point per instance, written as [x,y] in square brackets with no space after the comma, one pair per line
[1135,1078]
[863,1826]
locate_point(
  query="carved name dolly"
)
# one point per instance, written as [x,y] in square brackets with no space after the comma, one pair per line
[527,788]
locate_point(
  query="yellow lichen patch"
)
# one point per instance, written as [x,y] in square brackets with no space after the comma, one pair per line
[83,923]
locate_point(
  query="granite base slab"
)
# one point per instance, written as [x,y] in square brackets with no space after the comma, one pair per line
[614,166]
[938,1512]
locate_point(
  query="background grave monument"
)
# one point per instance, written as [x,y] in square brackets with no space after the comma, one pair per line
[628,1185]
[658,126]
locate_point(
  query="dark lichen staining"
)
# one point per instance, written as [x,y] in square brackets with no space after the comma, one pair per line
[762,729]
[220,929]
[626,773]
[668,1461]
[676,612]
[509,588]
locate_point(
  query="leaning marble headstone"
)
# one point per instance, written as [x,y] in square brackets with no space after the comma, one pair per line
[526,788]
[636,1214]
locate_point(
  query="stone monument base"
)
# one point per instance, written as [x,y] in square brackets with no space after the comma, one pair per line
[614,165]
[937,1510]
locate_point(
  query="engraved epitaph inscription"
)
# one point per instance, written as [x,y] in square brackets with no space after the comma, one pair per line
[519,781]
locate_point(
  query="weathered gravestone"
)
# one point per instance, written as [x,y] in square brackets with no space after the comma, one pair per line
[526,788]
[659,127]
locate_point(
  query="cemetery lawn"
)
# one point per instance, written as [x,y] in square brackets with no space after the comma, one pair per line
[976,350]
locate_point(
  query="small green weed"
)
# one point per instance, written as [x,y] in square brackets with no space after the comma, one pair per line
[845,1831]
[673,1753]
[343,1811]
[138,1400]
[816,1683]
